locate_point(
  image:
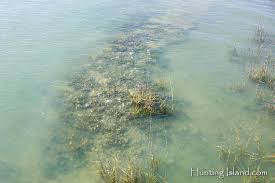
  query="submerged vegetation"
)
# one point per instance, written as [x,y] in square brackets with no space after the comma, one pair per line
[239,154]
[238,87]
[109,97]
[259,66]
[246,150]
[110,105]
[114,171]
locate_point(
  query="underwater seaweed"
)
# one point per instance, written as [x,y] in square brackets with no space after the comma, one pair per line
[101,103]
[242,150]
[246,149]
[257,62]
[260,35]
[114,171]
[238,87]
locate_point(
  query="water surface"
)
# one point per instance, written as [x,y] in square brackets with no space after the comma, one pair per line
[43,43]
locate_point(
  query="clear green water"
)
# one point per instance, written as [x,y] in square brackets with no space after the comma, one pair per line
[42,42]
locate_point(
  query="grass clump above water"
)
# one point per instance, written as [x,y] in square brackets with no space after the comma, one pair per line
[263,74]
[113,171]
[147,102]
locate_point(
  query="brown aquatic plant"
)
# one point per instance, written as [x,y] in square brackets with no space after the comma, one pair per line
[162,84]
[259,73]
[270,107]
[239,154]
[238,87]
[109,171]
[114,171]
[243,152]
[267,102]
[260,35]
[260,95]
[147,102]
[257,179]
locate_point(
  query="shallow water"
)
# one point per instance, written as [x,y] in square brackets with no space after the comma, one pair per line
[42,43]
